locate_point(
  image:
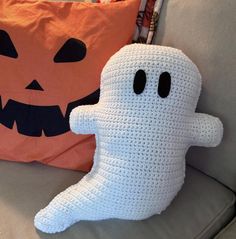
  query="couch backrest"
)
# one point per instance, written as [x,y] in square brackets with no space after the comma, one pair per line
[205,31]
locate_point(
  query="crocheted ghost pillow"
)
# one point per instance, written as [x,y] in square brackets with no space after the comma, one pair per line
[144,123]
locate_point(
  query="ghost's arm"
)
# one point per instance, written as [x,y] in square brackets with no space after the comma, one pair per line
[205,130]
[82,119]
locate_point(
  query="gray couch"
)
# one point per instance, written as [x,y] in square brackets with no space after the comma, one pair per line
[205,31]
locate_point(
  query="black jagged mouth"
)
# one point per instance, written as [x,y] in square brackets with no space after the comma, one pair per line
[32,120]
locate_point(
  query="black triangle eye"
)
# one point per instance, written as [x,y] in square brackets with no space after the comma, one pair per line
[139,82]
[72,51]
[6,45]
[164,84]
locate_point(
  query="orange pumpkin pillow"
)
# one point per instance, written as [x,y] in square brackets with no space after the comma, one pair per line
[51,57]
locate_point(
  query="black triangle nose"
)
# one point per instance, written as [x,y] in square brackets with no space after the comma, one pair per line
[34,85]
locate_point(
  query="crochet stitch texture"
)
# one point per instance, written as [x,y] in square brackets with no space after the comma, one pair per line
[142,139]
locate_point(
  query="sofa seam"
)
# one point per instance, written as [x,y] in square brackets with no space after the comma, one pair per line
[218,215]
[225,229]
[229,187]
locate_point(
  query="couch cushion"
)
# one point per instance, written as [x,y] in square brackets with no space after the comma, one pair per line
[205,31]
[201,208]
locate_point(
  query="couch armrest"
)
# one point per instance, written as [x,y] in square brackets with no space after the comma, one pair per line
[229,232]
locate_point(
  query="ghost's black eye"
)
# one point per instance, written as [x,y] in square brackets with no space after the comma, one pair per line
[139,82]
[164,84]
[73,50]
[6,45]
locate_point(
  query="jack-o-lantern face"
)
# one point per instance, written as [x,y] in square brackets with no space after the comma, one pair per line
[51,57]
[32,120]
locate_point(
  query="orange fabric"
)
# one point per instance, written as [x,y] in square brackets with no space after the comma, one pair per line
[38,29]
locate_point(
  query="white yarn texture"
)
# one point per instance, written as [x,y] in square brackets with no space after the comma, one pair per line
[141,140]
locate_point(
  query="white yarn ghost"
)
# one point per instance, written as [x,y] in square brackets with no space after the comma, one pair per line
[144,123]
